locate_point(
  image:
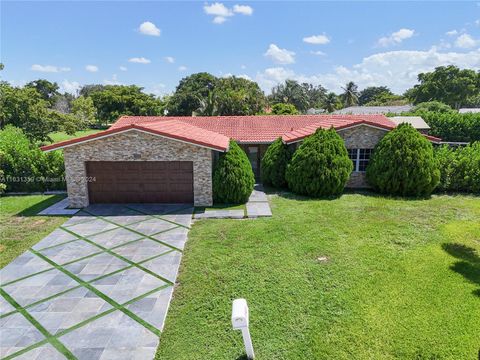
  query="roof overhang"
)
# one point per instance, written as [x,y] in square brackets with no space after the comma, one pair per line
[128,128]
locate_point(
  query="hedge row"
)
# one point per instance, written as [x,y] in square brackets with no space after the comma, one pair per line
[452,126]
[25,167]
[459,168]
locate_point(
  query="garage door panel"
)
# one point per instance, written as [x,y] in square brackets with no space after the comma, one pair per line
[140,181]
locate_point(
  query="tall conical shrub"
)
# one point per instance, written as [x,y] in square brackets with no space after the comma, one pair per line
[274,164]
[320,166]
[403,164]
[233,178]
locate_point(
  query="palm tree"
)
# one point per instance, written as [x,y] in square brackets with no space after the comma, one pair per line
[350,96]
[331,101]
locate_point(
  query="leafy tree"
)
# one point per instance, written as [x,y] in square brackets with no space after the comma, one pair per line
[320,166]
[25,108]
[388,100]
[371,93]
[117,100]
[238,96]
[191,94]
[84,110]
[331,102]
[291,92]
[403,164]
[315,95]
[452,126]
[47,89]
[434,106]
[274,164]
[233,178]
[3,186]
[350,94]
[88,90]
[447,84]
[284,109]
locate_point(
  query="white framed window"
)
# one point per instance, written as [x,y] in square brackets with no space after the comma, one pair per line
[360,158]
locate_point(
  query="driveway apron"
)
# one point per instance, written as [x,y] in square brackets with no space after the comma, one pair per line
[98,287]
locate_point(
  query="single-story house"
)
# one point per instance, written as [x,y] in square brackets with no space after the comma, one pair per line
[170,159]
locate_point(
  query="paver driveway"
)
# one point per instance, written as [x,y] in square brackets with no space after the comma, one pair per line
[98,287]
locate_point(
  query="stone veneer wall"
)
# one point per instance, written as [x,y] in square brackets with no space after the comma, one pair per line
[136,146]
[360,137]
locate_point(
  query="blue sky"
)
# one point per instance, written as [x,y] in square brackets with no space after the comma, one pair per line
[155,44]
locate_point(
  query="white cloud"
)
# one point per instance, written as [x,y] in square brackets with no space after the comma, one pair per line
[123,68]
[139,60]
[157,89]
[451,32]
[49,68]
[91,68]
[221,13]
[169,59]
[113,81]
[396,38]
[280,56]
[466,41]
[182,68]
[317,39]
[243,67]
[318,53]
[243,9]
[71,87]
[149,28]
[395,69]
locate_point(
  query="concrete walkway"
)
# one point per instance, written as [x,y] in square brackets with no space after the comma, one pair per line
[98,287]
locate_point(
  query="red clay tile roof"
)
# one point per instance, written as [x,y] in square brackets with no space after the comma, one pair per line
[265,128]
[170,129]
[215,131]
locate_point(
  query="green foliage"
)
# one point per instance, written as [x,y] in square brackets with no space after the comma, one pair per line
[459,168]
[25,167]
[388,100]
[284,109]
[320,166]
[350,94]
[48,90]
[274,164]
[302,96]
[372,93]
[453,126]
[433,106]
[332,102]
[447,84]
[191,93]
[238,96]
[233,178]
[84,110]
[3,186]
[403,164]
[114,101]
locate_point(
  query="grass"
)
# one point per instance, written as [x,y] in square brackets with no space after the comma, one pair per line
[62,136]
[221,207]
[19,228]
[358,277]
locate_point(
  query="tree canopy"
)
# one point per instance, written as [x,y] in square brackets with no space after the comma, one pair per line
[448,84]
[303,96]
[350,94]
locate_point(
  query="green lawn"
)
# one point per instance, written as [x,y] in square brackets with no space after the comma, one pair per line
[19,228]
[61,136]
[359,277]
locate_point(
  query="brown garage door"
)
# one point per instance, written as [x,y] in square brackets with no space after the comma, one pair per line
[140,181]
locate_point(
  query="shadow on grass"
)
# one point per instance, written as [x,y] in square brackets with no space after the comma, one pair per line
[468,265]
[35,209]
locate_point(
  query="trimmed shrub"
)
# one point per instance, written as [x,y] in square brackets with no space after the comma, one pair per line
[25,167]
[320,166]
[233,178]
[459,168]
[453,126]
[274,164]
[403,164]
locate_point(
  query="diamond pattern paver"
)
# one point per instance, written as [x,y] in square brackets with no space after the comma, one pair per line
[70,252]
[127,284]
[71,308]
[175,237]
[83,319]
[141,250]
[114,336]
[17,333]
[24,265]
[40,286]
